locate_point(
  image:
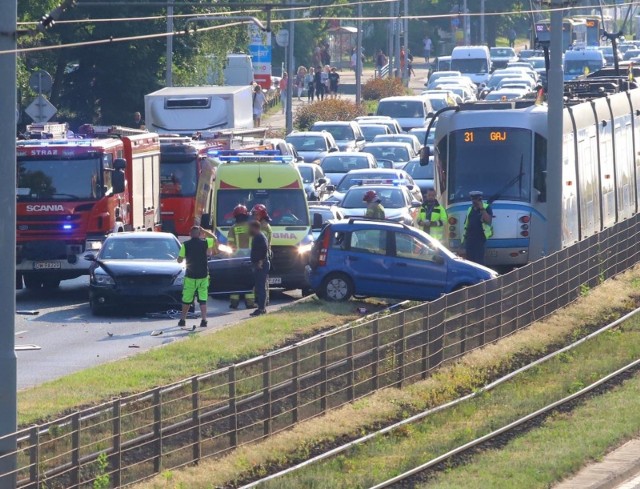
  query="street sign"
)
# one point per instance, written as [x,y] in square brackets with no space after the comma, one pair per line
[282,38]
[40,82]
[41,110]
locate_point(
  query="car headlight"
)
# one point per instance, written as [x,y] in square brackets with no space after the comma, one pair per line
[305,248]
[100,277]
[93,245]
[179,279]
[225,248]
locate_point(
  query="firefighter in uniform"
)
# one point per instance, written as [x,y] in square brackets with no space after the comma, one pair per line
[477,228]
[239,241]
[374,207]
[260,214]
[432,217]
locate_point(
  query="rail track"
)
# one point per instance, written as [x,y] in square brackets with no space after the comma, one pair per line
[498,436]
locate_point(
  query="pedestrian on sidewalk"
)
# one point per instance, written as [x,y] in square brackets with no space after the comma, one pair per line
[381,62]
[512,38]
[334,81]
[258,104]
[260,264]
[310,83]
[324,76]
[410,71]
[428,44]
[317,80]
[300,75]
[284,87]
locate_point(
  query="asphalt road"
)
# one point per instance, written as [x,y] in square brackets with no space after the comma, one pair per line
[64,337]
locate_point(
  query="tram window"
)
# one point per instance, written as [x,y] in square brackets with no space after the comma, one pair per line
[540,168]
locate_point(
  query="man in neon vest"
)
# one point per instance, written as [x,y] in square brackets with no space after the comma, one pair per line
[477,228]
[432,217]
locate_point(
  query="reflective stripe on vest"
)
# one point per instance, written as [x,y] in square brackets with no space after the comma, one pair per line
[437,214]
[487,228]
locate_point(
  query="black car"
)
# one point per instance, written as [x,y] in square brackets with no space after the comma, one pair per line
[138,268]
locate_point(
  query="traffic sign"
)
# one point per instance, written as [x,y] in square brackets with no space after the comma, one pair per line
[40,82]
[282,38]
[41,110]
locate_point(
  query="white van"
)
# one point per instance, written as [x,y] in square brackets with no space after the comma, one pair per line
[472,61]
[582,62]
[409,111]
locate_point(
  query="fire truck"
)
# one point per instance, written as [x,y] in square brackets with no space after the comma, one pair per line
[72,193]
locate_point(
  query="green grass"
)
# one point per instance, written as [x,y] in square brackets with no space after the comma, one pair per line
[412,445]
[197,354]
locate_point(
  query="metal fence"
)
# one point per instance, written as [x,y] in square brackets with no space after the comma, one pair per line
[135,437]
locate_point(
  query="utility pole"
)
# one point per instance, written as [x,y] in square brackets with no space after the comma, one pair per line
[169,75]
[359,56]
[398,26]
[291,70]
[8,105]
[555,124]
[483,39]
[391,44]
[405,28]
[465,23]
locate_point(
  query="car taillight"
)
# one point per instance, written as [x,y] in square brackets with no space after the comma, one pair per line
[324,249]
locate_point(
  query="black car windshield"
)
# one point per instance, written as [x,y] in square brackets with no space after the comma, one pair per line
[178,178]
[140,248]
[339,132]
[418,172]
[344,164]
[371,132]
[308,143]
[350,180]
[306,173]
[419,133]
[470,65]
[41,180]
[400,109]
[390,198]
[286,207]
[396,154]
[496,161]
[438,103]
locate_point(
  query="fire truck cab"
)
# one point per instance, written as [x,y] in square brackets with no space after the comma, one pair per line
[72,193]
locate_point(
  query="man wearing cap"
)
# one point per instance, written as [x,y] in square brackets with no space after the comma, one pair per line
[477,228]
[196,252]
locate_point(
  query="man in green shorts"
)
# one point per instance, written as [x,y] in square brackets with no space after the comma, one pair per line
[196,252]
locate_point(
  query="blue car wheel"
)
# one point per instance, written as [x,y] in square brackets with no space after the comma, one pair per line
[337,287]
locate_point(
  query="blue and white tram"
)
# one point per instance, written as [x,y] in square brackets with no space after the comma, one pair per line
[501,149]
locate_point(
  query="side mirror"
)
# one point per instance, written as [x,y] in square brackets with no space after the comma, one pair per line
[410,186]
[415,204]
[205,221]
[119,164]
[425,154]
[331,188]
[438,259]
[322,181]
[333,150]
[360,138]
[90,257]
[317,221]
[117,181]
[429,115]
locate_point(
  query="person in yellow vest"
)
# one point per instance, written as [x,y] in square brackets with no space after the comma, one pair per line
[374,207]
[239,241]
[432,217]
[477,228]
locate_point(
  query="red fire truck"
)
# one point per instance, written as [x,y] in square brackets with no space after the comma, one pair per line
[71,193]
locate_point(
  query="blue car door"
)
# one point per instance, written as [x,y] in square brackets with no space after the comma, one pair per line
[367,261]
[415,274]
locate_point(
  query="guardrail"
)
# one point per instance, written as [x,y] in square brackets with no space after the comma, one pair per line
[135,437]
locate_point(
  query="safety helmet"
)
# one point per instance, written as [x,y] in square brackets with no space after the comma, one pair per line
[240,210]
[259,211]
[370,196]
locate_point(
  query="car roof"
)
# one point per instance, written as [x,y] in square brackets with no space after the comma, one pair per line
[141,234]
[307,165]
[356,154]
[334,123]
[347,224]
[378,186]
[391,171]
[309,133]
[392,144]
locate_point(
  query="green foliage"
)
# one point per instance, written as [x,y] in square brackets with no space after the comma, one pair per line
[102,480]
[378,88]
[326,110]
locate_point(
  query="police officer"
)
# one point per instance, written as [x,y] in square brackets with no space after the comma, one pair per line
[432,217]
[239,241]
[196,282]
[374,207]
[477,227]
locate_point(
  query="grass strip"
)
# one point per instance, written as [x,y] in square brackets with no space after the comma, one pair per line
[596,307]
[561,446]
[415,444]
[195,355]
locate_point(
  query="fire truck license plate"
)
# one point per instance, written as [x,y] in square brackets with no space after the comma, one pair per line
[47,265]
[275,280]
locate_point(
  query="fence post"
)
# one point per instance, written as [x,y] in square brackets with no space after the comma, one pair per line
[295,352]
[323,374]
[266,394]
[233,412]
[75,450]
[196,435]
[350,366]
[34,457]
[157,430]
[376,355]
[116,455]
[465,322]
[424,366]
[400,348]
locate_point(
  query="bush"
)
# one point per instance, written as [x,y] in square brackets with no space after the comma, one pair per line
[378,88]
[326,110]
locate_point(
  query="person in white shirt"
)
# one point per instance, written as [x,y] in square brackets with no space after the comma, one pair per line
[427,48]
[258,104]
